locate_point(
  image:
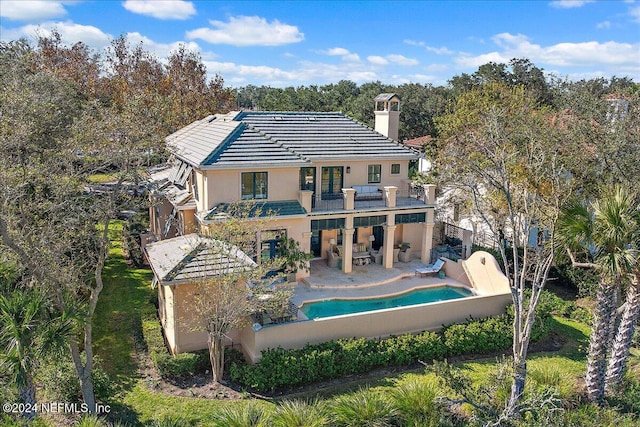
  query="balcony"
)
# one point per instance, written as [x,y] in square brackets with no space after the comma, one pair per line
[390,197]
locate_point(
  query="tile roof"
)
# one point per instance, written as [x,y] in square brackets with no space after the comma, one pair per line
[194,143]
[418,142]
[261,209]
[193,257]
[248,139]
[385,97]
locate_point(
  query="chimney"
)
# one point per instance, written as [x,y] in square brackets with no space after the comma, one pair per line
[387,111]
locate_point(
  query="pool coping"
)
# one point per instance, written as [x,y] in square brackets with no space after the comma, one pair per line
[302,317]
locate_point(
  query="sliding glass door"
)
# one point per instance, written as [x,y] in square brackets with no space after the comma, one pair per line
[332,182]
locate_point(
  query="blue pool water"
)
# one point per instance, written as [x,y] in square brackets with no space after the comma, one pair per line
[336,307]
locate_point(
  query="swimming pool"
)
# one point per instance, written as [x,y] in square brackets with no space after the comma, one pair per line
[337,307]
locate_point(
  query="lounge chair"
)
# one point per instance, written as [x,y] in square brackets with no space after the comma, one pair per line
[431,268]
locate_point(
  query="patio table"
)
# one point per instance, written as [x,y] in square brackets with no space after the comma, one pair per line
[361,259]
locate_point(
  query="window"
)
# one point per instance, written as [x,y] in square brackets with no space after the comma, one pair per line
[327,224]
[270,243]
[395,168]
[254,185]
[375,172]
[411,218]
[369,221]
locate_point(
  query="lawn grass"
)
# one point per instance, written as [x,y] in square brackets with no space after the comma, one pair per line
[125,299]
[152,406]
[101,178]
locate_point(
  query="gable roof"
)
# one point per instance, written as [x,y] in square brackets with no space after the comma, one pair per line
[194,257]
[249,139]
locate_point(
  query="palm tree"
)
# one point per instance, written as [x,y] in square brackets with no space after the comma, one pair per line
[603,235]
[27,334]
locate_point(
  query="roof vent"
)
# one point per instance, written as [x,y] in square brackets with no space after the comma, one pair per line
[279,118]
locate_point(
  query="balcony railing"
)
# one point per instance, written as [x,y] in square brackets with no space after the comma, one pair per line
[336,202]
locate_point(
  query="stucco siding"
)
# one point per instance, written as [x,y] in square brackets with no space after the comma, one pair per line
[371,324]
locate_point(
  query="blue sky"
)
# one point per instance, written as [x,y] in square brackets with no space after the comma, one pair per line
[295,43]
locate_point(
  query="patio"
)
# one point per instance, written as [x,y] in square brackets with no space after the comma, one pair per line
[363,282]
[491,296]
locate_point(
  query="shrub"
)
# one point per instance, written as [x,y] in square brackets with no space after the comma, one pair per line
[552,304]
[299,414]
[131,244]
[478,336]
[249,415]
[362,408]
[627,396]
[60,379]
[547,376]
[415,402]
[168,365]
[281,368]
[287,368]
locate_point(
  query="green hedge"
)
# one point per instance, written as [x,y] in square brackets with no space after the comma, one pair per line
[168,365]
[287,368]
[280,368]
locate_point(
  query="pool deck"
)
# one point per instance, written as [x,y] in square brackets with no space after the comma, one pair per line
[363,282]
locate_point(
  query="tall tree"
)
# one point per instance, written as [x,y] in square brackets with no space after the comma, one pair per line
[189,96]
[604,235]
[502,149]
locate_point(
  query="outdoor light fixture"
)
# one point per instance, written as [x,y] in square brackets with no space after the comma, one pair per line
[372,238]
[348,169]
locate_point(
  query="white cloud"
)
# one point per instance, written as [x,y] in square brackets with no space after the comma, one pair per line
[166,9]
[635,13]
[342,52]
[603,25]
[96,39]
[569,4]
[248,31]
[401,60]
[31,10]
[305,73]
[261,72]
[336,51]
[162,50]
[70,33]
[392,58]
[437,50]
[377,60]
[610,57]
[414,43]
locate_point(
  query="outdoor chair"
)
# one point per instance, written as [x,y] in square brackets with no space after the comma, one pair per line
[334,256]
[431,268]
[405,256]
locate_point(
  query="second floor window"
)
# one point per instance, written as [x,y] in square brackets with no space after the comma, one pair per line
[375,172]
[254,185]
[395,168]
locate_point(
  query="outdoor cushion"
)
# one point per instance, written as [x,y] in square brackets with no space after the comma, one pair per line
[430,269]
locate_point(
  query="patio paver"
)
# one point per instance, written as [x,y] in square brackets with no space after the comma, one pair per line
[363,282]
